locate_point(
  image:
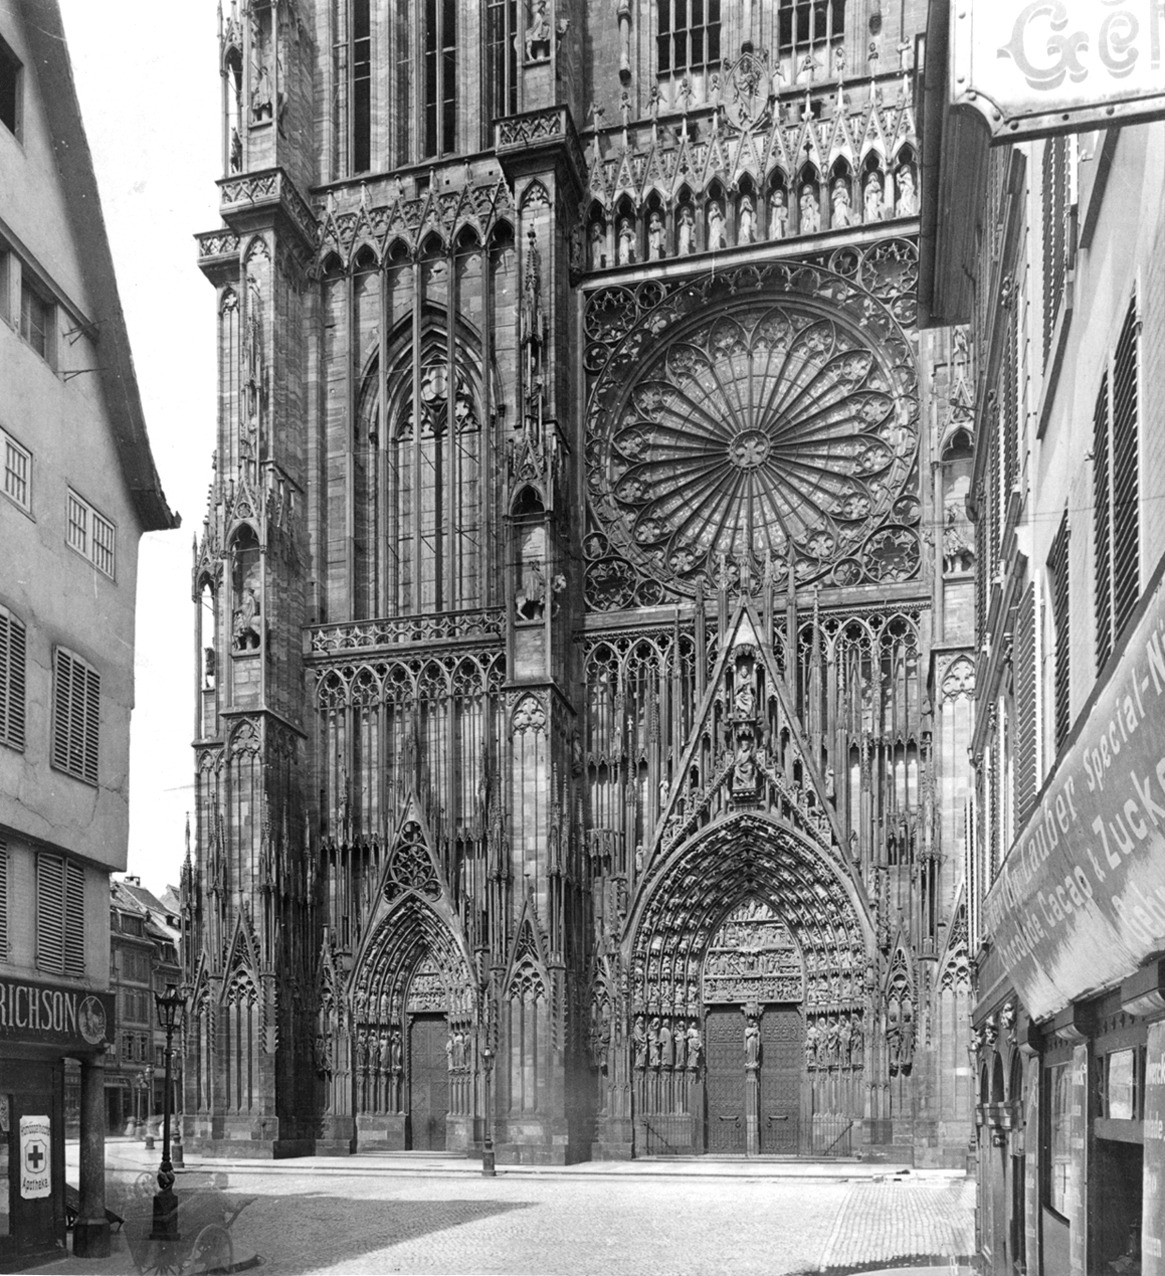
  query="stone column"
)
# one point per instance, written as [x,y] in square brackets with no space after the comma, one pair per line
[91,1234]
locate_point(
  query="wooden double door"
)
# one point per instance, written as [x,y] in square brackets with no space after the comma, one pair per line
[778,1081]
[428,1081]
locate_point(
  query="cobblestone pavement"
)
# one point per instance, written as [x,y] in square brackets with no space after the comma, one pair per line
[428,1215]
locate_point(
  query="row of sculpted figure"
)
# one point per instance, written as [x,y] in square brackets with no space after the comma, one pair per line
[665,1044]
[750,218]
[836,1041]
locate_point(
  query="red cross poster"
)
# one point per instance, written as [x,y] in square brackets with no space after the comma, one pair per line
[35,1178]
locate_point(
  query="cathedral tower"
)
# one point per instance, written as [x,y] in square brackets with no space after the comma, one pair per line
[583,694]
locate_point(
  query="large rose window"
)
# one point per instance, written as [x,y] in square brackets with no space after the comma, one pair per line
[753,434]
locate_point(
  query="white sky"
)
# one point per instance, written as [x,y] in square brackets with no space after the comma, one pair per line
[147,78]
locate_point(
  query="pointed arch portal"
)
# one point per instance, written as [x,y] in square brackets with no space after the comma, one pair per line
[751,962]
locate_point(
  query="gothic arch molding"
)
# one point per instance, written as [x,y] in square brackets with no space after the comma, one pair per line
[746,855]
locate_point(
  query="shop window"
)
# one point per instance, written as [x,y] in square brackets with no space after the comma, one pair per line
[76,717]
[12,680]
[1059,1143]
[5,1163]
[1120,1081]
[60,915]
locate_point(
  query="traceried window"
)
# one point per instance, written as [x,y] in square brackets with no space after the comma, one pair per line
[76,716]
[689,35]
[352,64]
[361,86]
[503,56]
[439,55]
[12,679]
[1116,490]
[10,84]
[60,915]
[17,471]
[805,23]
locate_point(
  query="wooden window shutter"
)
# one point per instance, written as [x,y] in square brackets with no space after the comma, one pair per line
[3,902]
[76,717]
[1125,475]
[1058,572]
[12,680]
[1102,525]
[74,912]
[50,914]
[1026,673]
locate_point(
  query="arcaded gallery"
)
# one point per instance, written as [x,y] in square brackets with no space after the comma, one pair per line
[585,597]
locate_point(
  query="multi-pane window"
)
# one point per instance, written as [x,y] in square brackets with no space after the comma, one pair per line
[1059,1136]
[439,49]
[801,24]
[1058,578]
[503,56]
[60,915]
[689,35]
[361,86]
[36,321]
[9,89]
[1116,490]
[17,471]
[76,717]
[91,534]
[12,674]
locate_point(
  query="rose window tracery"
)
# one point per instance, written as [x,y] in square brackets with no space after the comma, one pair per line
[757,431]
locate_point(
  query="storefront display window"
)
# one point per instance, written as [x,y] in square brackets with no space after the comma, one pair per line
[5,1161]
[1059,1135]
[1120,1085]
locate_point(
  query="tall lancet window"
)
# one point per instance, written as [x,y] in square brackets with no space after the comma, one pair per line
[439,51]
[352,48]
[433,537]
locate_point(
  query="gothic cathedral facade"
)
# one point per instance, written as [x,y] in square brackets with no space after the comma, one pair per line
[585,594]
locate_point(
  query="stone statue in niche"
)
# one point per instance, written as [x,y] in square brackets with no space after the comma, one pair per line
[530,596]
[208,668]
[598,246]
[654,1044]
[538,33]
[747,220]
[744,770]
[261,98]
[655,248]
[778,215]
[695,1046]
[907,205]
[812,1037]
[686,233]
[639,1043]
[626,242]
[246,633]
[958,545]
[236,151]
[873,209]
[717,235]
[841,211]
[751,1043]
[666,1048]
[810,211]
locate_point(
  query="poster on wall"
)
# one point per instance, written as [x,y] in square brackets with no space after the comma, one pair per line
[35,1159]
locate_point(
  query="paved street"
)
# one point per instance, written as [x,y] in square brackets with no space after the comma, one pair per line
[427,1214]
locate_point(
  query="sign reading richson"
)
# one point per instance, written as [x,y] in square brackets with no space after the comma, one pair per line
[1080,899]
[55,1014]
[1050,65]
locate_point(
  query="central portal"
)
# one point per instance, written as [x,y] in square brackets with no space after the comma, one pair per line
[775,1081]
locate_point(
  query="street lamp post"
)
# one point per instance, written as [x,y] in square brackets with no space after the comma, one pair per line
[171,1004]
[488,1164]
[148,1103]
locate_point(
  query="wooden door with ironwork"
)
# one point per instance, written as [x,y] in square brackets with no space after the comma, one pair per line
[779,1098]
[428,1082]
[724,1079]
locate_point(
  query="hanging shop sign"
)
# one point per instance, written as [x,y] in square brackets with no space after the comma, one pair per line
[35,1157]
[1054,66]
[1080,899]
[55,1014]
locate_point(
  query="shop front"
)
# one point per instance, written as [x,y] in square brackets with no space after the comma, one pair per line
[41,1027]
[1070,1014]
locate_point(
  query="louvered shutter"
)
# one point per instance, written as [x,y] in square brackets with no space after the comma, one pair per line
[1125,475]
[76,717]
[1102,523]
[50,913]
[74,918]
[12,679]
[1025,673]
[1058,571]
